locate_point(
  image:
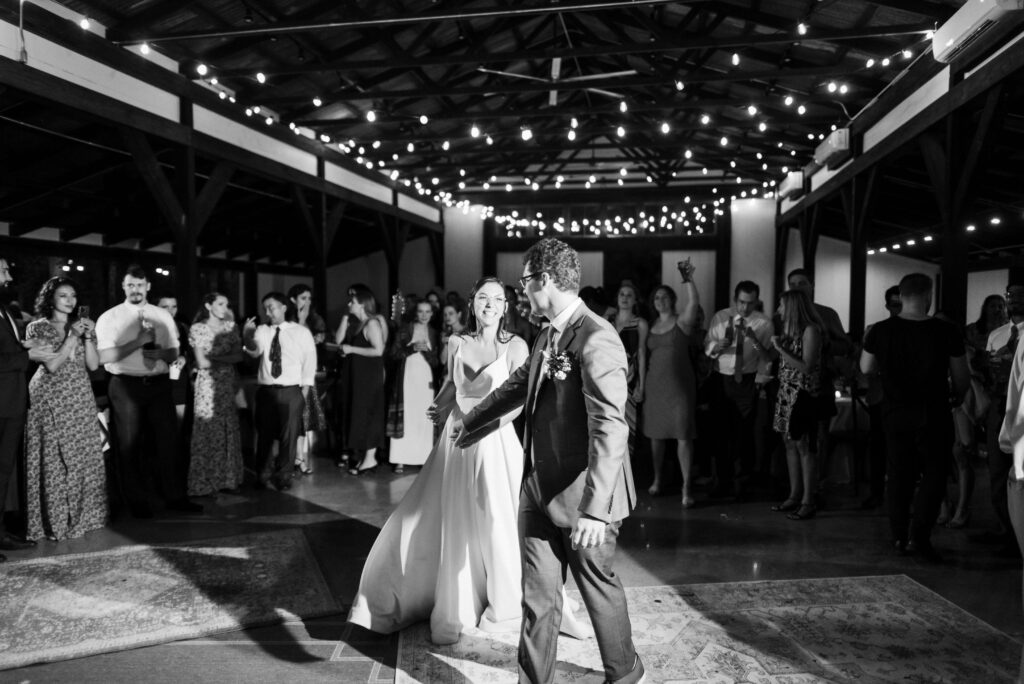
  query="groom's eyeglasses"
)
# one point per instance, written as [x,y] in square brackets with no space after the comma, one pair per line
[528,277]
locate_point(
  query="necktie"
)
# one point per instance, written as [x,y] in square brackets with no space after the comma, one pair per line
[1011,344]
[275,354]
[737,372]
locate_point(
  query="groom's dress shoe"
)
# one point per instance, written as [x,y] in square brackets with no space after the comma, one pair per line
[12,543]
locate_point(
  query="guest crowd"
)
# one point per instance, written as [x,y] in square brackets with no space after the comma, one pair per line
[747,400]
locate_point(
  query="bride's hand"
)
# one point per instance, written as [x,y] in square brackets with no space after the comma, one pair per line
[435,414]
[456,430]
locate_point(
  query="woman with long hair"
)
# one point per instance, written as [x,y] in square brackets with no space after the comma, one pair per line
[65,475]
[216,449]
[632,329]
[796,416]
[671,386]
[363,402]
[313,419]
[415,358]
[449,552]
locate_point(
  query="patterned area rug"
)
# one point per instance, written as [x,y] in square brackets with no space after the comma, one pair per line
[77,605]
[857,629]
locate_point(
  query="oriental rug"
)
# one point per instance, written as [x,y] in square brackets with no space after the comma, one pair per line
[856,629]
[82,604]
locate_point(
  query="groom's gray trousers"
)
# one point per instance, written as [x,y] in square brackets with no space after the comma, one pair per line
[547,552]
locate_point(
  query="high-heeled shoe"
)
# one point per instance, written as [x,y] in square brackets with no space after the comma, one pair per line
[805,512]
[786,506]
[959,522]
[359,472]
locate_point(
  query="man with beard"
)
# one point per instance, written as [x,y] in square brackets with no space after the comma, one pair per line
[137,341]
[1002,343]
[13,403]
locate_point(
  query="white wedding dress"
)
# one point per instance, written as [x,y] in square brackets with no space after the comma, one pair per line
[450,551]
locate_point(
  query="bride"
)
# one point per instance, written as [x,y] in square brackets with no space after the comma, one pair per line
[450,551]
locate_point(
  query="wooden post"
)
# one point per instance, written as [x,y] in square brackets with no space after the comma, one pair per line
[723,260]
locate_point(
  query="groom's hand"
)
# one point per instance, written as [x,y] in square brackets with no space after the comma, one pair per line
[588,533]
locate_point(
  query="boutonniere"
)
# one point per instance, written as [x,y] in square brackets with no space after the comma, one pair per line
[557,365]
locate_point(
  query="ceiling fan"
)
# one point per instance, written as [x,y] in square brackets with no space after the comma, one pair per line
[556,70]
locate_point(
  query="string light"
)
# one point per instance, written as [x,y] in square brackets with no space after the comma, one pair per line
[474,132]
[665,128]
[424,120]
[371,115]
[317,102]
[261,77]
[84,23]
[735,59]
[621,132]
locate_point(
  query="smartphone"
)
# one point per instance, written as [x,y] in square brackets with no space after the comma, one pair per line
[83,311]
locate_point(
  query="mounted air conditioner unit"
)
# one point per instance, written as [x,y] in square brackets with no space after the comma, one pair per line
[835,149]
[969,25]
[792,186]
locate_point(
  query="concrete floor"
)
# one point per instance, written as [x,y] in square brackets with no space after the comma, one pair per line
[660,544]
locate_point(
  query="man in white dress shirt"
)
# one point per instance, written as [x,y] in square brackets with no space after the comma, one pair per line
[738,340]
[287,374]
[136,342]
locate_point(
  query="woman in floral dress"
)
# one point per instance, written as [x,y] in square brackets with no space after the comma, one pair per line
[216,441]
[796,416]
[66,480]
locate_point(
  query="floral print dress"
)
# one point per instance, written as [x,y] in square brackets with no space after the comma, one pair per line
[66,478]
[791,382]
[216,440]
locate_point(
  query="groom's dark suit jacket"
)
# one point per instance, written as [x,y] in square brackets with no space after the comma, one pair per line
[575,441]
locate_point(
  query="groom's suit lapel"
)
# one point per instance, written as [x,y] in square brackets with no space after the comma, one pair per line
[564,340]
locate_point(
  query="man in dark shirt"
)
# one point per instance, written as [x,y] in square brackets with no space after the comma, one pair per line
[915,356]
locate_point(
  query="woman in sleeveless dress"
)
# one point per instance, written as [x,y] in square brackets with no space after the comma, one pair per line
[65,475]
[632,329]
[450,551]
[671,385]
[363,407]
[796,417]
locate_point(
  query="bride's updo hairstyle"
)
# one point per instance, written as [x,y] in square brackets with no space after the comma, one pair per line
[473,327]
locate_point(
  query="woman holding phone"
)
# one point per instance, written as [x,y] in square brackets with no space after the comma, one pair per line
[66,482]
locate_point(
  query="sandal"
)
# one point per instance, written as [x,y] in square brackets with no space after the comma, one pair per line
[805,512]
[786,506]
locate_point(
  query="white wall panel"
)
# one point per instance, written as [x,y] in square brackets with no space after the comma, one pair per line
[233,133]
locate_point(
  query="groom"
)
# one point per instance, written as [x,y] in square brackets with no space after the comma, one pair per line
[578,485]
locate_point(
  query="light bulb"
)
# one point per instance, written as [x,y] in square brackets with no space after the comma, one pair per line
[474,131]
[317,102]
[665,128]
[410,148]
[623,107]
[261,77]
[762,127]
[371,115]
[84,23]
[574,123]
[688,154]
[621,132]
[735,59]
[572,134]
[801,28]
[870,63]
[705,119]
[144,48]
[788,101]
[424,119]
[801,110]
[201,69]
[832,87]
[751,110]
[724,141]
[526,134]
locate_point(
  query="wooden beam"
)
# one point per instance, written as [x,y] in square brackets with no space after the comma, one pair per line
[211,193]
[723,260]
[153,177]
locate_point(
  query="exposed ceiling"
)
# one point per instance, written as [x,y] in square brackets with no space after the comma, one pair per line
[504,67]
[705,85]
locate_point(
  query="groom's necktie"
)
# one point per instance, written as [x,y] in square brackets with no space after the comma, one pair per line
[737,371]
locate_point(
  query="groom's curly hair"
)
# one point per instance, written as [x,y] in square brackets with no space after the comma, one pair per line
[558,260]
